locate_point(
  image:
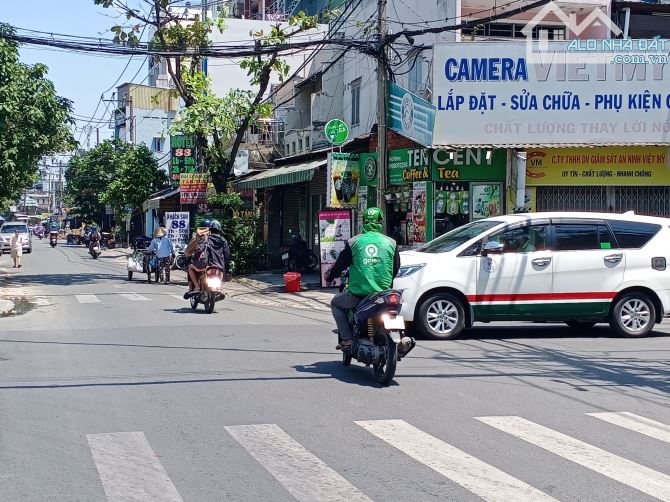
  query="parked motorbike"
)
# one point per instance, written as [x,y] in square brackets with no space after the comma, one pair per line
[297,256]
[181,261]
[94,250]
[210,290]
[53,238]
[379,333]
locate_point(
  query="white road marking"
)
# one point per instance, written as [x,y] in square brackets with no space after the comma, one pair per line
[134,297]
[303,475]
[87,299]
[646,426]
[129,470]
[178,297]
[41,301]
[471,473]
[603,462]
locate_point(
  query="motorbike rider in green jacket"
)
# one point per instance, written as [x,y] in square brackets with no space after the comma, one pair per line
[373,261]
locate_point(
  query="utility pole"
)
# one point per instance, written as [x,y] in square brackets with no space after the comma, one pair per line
[382,156]
[131,118]
[97,135]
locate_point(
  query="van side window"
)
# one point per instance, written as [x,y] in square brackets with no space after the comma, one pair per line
[633,234]
[577,236]
[522,239]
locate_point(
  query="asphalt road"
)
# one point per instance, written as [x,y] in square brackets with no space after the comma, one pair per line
[128,395]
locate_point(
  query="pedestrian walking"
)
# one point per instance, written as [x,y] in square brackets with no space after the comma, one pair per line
[16,248]
[164,250]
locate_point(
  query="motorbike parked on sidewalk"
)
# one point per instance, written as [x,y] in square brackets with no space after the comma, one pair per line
[210,292]
[181,261]
[379,333]
[297,257]
[53,238]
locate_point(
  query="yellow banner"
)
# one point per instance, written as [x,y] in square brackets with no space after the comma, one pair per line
[640,165]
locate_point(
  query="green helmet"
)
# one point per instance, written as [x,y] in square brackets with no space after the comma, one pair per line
[373,215]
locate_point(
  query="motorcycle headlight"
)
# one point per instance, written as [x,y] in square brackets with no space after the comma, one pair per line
[407,270]
[213,282]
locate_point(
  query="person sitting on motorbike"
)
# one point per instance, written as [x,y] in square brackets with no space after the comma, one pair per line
[94,238]
[197,250]
[298,250]
[219,250]
[373,261]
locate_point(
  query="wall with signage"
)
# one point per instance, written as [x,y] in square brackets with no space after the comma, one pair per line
[507,93]
[610,166]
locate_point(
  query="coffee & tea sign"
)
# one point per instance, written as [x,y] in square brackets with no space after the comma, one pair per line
[343,180]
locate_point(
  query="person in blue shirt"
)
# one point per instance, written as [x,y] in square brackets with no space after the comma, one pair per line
[162,246]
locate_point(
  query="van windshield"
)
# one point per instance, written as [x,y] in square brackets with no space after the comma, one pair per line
[461,235]
[8,228]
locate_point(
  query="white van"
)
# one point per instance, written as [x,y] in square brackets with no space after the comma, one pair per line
[577,268]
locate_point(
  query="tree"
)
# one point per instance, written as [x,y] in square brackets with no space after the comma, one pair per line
[34,120]
[115,173]
[218,123]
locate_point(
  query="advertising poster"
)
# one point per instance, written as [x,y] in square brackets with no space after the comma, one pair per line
[410,115]
[177,227]
[343,180]
[334,231]
[193,188]
[419,218]
[362,206]
[486,200]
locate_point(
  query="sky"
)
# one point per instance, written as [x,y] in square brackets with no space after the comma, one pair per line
[79,77]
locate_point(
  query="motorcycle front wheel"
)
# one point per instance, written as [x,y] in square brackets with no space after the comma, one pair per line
[181,262]
[385,370]
[194,302]
[209,303]
[312,261]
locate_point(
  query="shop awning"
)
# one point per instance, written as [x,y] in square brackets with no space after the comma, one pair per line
[154,202]
[285,175]
[526,146]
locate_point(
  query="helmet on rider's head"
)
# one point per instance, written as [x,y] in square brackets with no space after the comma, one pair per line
[215,226]
[206,223]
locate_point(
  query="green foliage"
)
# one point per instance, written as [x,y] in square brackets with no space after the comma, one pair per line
[245,236]
[114,173]
[231,200]
[34,121]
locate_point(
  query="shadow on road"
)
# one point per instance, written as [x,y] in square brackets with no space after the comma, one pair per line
[354,374]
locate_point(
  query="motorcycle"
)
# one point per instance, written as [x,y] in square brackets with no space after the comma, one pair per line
[94,250]
[53,238]
[210,290]
[181,261]
[297,256]
[379,333]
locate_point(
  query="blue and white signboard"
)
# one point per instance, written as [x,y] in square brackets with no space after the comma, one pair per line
[410,116]
[578,92]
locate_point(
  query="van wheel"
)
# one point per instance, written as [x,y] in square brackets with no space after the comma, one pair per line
[633,315]
[442,316]
[580,324]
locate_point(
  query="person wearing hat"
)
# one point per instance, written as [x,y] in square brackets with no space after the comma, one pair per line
[196,250]
[164,250]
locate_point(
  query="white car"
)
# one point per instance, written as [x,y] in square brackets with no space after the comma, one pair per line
[578,268]
[7,232]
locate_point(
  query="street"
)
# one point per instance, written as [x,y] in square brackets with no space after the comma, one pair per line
[117,391]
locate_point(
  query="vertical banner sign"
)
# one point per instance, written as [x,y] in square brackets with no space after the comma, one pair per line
[334,232]
[409,115]
[193,188]
[182,149]
[177,226]
[419,217]
[343,179]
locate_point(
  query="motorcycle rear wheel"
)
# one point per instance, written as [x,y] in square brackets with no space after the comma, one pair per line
[384,372]
[312,261]
[181,262]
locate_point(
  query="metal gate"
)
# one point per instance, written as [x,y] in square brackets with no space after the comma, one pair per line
[648,200]
[571,198]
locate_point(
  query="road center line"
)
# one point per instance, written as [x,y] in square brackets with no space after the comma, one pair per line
[303,475]
[87,299]
[603,462]
[129,470]
[633,422]
[471,473]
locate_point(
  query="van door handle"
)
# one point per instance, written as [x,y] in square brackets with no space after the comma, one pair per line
[613,258]
[541,262]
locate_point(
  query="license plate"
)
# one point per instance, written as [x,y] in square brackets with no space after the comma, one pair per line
[397,322]
[284,256]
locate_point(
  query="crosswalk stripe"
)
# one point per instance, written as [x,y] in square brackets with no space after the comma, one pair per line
[303,475]
[134,297]
[178,297]
[129,470]
[87,299]
[471,473]
[603,462]
[633,422]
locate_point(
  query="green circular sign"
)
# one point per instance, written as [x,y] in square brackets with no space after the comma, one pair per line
[337,131]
